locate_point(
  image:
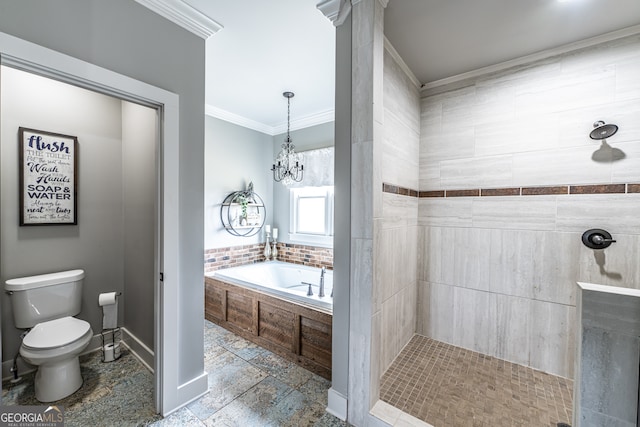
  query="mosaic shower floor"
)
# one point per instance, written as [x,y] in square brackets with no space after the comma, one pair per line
[445,385]
[248,386]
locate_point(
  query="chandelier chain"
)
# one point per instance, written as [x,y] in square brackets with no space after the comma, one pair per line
[288,118]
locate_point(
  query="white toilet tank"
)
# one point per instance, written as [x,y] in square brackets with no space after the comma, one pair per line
[36,299]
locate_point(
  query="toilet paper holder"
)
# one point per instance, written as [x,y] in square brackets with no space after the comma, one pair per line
[111,344]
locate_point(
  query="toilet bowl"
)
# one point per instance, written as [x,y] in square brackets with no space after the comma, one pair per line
[54,347]
[45,305]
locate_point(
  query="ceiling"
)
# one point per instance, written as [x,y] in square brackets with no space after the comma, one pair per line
[268,47]
[265,49]
[444,38]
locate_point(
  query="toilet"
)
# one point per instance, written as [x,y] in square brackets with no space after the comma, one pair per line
[46,304]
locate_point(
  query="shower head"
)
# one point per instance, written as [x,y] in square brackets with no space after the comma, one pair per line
[602,130]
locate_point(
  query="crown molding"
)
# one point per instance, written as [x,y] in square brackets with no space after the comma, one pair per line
[305,122]
[335,10]
[403,65]
[301,123]
[237,119]
[581,44]
[189,18]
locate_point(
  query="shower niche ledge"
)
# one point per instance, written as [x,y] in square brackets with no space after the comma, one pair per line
[607,357]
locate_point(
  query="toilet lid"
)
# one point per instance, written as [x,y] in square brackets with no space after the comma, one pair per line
[56,333]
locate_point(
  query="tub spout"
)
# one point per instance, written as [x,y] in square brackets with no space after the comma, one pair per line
[321,292]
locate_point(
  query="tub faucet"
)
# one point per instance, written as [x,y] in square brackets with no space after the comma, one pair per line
[310,291]
[321,292]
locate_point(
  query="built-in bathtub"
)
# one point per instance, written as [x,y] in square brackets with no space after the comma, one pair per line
[267,303]
[284,280]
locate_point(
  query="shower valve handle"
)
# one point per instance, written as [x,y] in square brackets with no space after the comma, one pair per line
[597,238]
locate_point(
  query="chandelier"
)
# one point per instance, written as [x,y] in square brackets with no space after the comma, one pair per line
[288,167]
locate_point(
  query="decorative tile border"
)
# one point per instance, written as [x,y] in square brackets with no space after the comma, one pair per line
[233,256]
[461,193]
[517,191]
[544,191]
[436,193]
[597,189]
[396,189]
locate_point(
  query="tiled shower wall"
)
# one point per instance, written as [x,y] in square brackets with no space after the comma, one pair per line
[497,274]
[395,229]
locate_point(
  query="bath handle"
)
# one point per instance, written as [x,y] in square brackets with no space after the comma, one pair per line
[310,291]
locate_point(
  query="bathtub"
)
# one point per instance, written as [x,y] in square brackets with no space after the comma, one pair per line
[283,280]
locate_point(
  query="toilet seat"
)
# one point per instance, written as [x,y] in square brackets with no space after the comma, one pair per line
[55,333]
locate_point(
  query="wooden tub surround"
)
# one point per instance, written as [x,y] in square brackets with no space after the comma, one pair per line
[296,332]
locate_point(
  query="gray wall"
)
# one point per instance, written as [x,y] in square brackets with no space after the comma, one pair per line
[310,138]
[234,155]
[139,197]
[125,37]
[116,199]
[95,244]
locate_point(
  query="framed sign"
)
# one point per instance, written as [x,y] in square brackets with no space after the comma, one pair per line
[48,182]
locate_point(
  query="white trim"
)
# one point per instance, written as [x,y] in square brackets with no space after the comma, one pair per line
[337,404]
[29,56]
[327,194]
[335,10]
[237,119]
[301,123]
[615,290]
[392,416]
[184,15]
[143,353]
[403,65]
[305,122]
[330,8]
[191,391]
[581,44]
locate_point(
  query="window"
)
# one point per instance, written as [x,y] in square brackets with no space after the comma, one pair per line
[312,215]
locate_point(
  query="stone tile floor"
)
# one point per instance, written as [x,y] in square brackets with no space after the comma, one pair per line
[248,386]
[445,385]
[118,393]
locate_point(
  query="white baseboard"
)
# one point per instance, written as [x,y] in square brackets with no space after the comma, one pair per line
[135,346]
[337,405]
[143,353]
